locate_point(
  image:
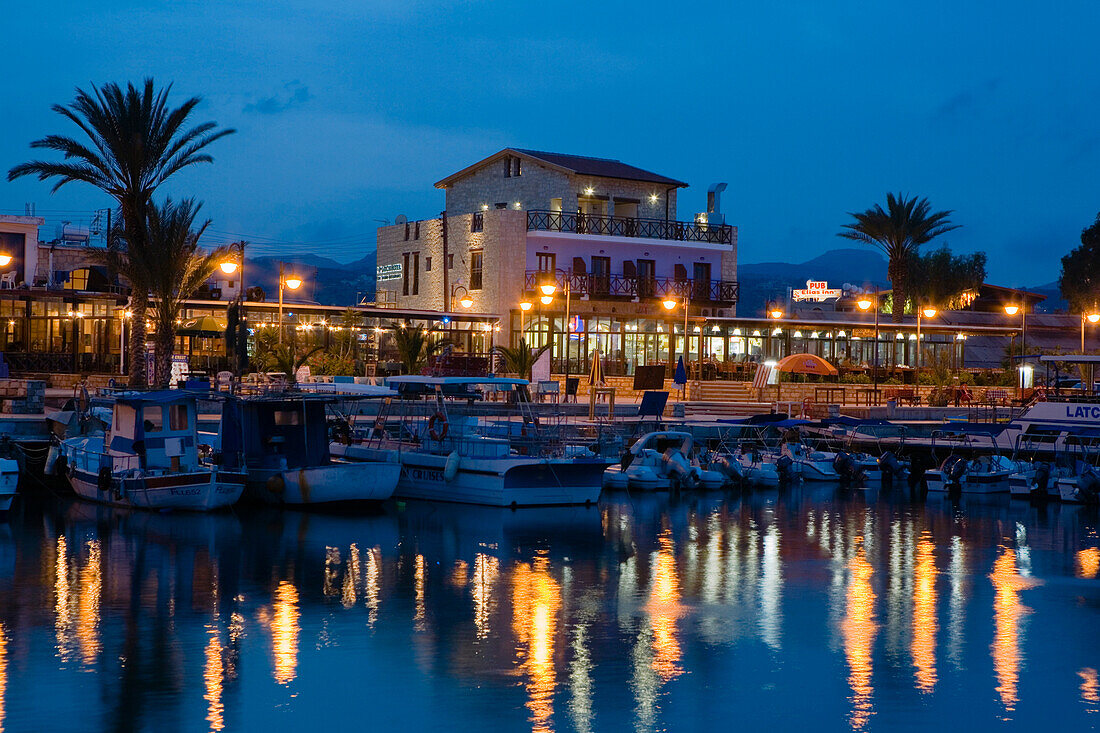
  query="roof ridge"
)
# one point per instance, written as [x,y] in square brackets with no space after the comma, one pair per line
[536,153]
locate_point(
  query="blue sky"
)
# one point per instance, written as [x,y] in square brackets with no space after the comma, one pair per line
[348,111]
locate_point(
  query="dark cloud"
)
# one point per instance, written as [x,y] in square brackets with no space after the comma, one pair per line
[968,100]
[293,95]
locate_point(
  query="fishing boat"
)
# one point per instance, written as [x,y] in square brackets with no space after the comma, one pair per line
[1081,485]
[149,457]
[285,443]
[520,458]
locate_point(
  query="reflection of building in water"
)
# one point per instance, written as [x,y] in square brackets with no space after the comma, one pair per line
[956,602]
[536,600]
[580,681]
[284,632]
[923,641]
[859,629]
[771,590]
[1088,562]
[486,572]
[1090,689]
[1008,614]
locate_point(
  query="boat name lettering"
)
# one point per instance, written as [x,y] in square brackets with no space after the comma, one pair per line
[1083,411]
[424,474]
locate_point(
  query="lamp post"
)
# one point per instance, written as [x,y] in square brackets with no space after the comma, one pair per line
[124,315]
[1011,310]
[548,289]
[927,311]
[775,313]
[864,303]
[524,306]
[1093,318]
[293,282]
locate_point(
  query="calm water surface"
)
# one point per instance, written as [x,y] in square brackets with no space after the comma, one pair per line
[835,609]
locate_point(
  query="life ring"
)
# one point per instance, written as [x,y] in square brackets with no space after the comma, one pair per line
[438,426]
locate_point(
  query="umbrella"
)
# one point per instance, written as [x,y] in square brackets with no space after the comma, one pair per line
[681,376]
[595,376]
[204,326]
[806,364]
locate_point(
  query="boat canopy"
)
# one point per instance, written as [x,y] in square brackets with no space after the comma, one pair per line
[973,428]
[434,381]
[854,422]
[160,397]
[766,419]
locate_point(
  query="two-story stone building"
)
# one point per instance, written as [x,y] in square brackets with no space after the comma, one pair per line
[605,231]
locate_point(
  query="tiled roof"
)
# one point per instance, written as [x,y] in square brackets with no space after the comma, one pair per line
[577,164]
[602,167]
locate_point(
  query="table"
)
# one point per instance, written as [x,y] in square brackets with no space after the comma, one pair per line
[867,393]
[595,393]
[829,394]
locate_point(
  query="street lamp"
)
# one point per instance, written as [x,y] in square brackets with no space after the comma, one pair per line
[464,299]
[524,306]
[670,305]
[927,311]
[546,299]
[864,303]
[292,282]
[5,259]
[1093,318]
[1012,309]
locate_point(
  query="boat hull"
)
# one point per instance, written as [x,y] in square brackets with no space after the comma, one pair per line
[198,491]
[512,481]
[9,483]
[334,482]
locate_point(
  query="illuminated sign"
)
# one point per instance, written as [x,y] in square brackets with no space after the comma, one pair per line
[816,290]
[388,272]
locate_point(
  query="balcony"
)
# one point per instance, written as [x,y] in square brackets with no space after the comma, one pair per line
[723,292]
[615,226]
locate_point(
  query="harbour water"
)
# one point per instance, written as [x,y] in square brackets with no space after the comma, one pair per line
[814,606]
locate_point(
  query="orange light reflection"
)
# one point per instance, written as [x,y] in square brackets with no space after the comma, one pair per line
[1007,614]
[663,609]
[214,677]
[284,632]
[536,600]
[1090,687]
[1088,562]
[859,629]
[923,644]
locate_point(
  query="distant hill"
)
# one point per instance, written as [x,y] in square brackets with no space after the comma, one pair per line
[1054,302]
[764,281]
[327,281]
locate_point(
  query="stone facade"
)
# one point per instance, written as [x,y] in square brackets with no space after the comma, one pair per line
[22,396]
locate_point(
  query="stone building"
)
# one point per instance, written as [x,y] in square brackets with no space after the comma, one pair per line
[603,230]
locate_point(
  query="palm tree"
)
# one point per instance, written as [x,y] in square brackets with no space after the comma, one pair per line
[135,143]
[898,231]
[414,347]
[175,270]
[520,360]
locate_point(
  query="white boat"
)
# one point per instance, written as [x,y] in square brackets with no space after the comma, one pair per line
[149,458]
[447,457]
[980,475]
[663,460]
[811,465]
[285,443]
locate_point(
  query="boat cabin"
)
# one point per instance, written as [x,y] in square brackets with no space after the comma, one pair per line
[284,432]
[158,427]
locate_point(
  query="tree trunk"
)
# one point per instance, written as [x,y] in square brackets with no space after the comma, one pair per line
[136,345]
[162,354]
[897,273]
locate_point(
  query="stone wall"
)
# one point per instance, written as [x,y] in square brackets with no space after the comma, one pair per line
[22,396]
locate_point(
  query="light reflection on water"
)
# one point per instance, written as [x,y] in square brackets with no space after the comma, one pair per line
[647,613]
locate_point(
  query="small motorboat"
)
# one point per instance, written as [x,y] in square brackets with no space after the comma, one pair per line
[811,465]
[663,460]
[981,475]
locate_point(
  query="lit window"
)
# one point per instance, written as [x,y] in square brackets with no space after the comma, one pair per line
[475,270]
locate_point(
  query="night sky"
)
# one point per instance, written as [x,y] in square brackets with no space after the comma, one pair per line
[348,112]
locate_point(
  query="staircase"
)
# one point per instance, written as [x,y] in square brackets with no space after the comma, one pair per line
[724,399]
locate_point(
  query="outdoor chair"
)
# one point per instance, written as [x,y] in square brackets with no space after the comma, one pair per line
[572,385]
[224,381]
[7,280]
[548,388]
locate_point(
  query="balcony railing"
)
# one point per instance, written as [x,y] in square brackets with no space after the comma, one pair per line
[631,286]
[576,223]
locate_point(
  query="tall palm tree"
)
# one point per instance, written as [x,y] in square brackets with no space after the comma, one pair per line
[521,359]
[176,268]
[898,231]
[414,347]
[135,143]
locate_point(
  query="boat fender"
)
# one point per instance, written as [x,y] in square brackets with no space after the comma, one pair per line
[438,426]
[1042,478]
[51,460]
[104,478]
[450,469]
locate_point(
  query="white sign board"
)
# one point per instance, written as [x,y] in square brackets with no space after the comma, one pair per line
[816,290]
[384,273]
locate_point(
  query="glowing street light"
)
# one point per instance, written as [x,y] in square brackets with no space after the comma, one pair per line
[548,289]
[229,267]
[292,282]
[927,311]
[863,304]
[1093,317]
[5,259]
[546,299]
[1012,309]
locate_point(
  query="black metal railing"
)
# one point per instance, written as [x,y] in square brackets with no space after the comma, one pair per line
[631,286]
[621,226]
